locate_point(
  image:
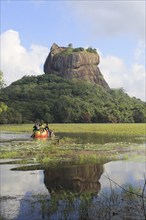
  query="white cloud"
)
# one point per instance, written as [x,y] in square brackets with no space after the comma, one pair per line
[125,172]
[38,3]
[17,61]
[137,79]
[113,70]
[111,17]
[139,52]
[118,74]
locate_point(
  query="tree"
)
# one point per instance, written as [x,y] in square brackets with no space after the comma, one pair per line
[3,107]
[91,50]
[55,99]
[2,83]
[70,45]
[138,115]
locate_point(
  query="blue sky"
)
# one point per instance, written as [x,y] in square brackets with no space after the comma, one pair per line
[115,28]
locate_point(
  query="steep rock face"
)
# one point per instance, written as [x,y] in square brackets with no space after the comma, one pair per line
[74,64]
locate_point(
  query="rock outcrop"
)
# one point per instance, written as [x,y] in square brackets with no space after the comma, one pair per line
[76,63]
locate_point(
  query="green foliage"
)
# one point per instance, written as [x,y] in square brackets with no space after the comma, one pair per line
[78,49]
[91,50]
[70,45]
[70,50]
[3,107]
[55,99]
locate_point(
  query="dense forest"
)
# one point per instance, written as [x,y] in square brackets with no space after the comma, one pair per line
[58,100]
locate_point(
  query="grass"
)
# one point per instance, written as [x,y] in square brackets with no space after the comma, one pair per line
[113,129]
[69,148]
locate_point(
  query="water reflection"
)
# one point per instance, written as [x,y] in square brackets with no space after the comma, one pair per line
[18,187]
[16,190]
[122,173]
[74,178]
[9,136]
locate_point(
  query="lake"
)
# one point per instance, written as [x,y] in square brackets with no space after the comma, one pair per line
[98,190]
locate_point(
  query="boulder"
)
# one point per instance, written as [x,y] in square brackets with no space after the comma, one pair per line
[77,64]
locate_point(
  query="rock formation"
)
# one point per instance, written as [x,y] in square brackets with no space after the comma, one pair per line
[79,63]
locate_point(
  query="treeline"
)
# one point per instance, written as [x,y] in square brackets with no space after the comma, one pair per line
[57,100]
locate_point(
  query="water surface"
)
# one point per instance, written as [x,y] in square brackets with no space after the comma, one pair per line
[28,194]
[18,188]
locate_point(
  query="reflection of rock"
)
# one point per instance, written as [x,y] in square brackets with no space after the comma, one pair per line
[75,178]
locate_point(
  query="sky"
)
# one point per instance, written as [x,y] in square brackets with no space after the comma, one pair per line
[116,28]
